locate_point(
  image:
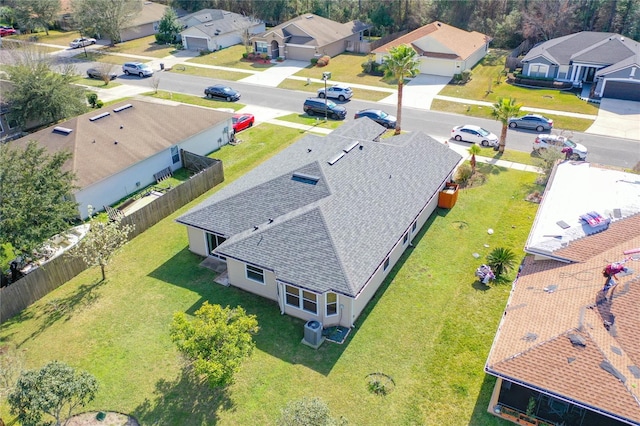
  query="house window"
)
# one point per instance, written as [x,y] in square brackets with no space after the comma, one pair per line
[538,70]
[405,239]
[255,274]
[310,302]
[414,227]
[213,241]
[292,296]
[175,154]
[332,304]
[262,47]
[386,264]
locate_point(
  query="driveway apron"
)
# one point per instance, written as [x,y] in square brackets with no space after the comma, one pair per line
[617,118]
[420,91]
[273,76]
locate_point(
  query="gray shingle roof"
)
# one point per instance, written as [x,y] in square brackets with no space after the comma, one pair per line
[332,235]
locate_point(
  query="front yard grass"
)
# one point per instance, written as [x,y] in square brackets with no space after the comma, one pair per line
[347,68]
[145,46]
[430,325]
[312,121]
[364,94]
[210,73]
[559,121]
[94,82]
[483,80]
[97,56]
[194,100]
[61,38]
[231,57]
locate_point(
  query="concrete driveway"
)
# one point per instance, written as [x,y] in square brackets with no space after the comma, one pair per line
[420,91]
[617,118]
[275,75]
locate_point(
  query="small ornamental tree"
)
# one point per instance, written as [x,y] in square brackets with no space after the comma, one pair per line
[502,111]
[474,150]
[55,390]
[216,341]
[401,62]
[101,242]
[169,27]
[308,412]
[501,260]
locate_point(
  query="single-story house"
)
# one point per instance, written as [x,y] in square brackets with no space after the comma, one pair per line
[214,29]
[610,61]
[442,49]
[145,23]
[117,150]
[319,226]
[566,352]
[309,36]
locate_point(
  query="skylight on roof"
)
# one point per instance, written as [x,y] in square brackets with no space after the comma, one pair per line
[99,116]
[123,107]
[335,159]
[304,178]
[62,130]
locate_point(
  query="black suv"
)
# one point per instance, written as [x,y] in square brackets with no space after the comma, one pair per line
[317,106]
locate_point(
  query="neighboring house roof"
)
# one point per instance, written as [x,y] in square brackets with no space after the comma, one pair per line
[585,47]
[144,129]
[460,43]
[558,334]
[204,15]
[314,30]
[552,303]
[575,189]
[216,22]
[334,234]
[149,12]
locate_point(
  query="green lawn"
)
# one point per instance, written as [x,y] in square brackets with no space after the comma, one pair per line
[483,80]
[211,73]
[98,56]
[347,68]
[231,57]
[312,121]
[430,325]
[559,121]
[363,94]
[194,100]
[145,46]
[94,82]
[61,38]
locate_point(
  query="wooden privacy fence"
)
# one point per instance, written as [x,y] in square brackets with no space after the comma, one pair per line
[42,280]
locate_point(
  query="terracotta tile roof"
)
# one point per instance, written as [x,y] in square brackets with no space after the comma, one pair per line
[145,129]
[460,43]
[551,300]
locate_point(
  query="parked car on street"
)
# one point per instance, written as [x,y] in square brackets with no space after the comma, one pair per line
[242,121]
[379,116]
[324,107]
[222,92]
[536,122]
[7,31]
[560,143]
[137,68]
[99,74]
[474,134]
[82,41]
[338,91]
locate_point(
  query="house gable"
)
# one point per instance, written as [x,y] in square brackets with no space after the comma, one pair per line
[609,52]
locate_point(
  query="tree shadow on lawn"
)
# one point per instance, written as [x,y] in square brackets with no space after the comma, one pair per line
[61,308]
[183,401]
[279,335]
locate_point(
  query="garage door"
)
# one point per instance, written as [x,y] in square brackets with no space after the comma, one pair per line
[622,90]
[436,67]
[194,43]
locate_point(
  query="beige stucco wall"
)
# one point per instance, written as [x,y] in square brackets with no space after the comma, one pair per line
[197,241]
[238,278]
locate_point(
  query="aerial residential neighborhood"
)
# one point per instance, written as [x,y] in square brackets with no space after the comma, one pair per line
[318,213]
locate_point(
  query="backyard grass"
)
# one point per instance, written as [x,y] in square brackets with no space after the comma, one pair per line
[231,57]
[312,121]
[430,325]
[559,121]
[194,100]
[210,73]
[347,68]
[363,94]
[145,46]
[483,79]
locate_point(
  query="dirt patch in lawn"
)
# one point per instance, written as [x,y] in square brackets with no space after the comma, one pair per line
[110,419]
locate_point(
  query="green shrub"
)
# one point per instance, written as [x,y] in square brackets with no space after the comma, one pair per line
[314,61]
[501,260]
[99,104]
[245,55]
[463,174]
[92,98]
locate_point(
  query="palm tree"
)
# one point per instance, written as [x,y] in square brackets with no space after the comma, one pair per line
[501,260]
[503,110]
[474,149]
[400,63]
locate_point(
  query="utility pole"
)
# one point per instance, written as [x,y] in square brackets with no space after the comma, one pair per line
[326,76]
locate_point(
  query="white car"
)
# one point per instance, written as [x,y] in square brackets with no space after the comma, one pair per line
[474,134]
[81,42]
[338,92]
[543,142]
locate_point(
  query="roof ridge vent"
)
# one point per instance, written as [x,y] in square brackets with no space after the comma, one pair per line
[123,107]
[62,130]
[99,116]
[335,159]
[350,147]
